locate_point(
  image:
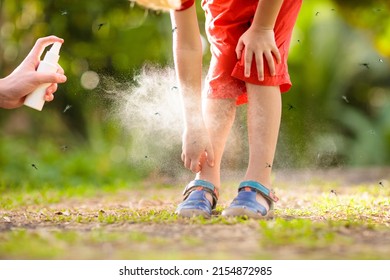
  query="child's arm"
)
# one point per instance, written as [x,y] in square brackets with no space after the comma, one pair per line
[259,39]
[187,50]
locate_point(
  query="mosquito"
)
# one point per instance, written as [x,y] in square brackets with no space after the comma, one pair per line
[381,184]
[267,165]
[365,65]
[290,107]
[334,192]
[64,148]
[67,108]
[100,25]
[345,98]
[64,13]
[33,165]
[317,13]
[174,29]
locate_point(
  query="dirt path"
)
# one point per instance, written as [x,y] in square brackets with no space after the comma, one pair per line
[107,226]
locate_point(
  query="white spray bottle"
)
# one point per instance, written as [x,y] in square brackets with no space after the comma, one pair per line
[36,99]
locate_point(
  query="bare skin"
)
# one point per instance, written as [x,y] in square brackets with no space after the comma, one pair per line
[214,123]
[196,148]
[264,113]
[24,79]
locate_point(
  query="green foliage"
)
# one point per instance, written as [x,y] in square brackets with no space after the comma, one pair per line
[46,164]
[372,16]
[334,114]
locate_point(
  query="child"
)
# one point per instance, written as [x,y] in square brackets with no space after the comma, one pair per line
[249,45]
[24,79]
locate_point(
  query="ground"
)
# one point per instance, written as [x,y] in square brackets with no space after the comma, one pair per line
[329,214]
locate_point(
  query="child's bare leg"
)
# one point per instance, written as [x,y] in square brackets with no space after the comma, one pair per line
[219,116]
[264,114]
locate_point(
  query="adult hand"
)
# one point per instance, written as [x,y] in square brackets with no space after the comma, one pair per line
[25,79]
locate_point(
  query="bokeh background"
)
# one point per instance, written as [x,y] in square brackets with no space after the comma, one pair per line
[118,117]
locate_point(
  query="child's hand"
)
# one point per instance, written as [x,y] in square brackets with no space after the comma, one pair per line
[261,44]
[196,149]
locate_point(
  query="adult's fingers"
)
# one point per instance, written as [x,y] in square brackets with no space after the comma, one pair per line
[60,70]
[51,78]
[42,43]
[50,91]
[49,97]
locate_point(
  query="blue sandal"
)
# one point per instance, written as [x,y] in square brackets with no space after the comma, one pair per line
[245,203]
[195,202]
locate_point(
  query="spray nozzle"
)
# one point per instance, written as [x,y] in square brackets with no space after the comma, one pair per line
[56,48]
[52,56]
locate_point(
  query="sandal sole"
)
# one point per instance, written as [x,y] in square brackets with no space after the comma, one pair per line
[190,213]
[241,212]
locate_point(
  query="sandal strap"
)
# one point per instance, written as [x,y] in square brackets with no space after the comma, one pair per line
[256,186]
[202,185]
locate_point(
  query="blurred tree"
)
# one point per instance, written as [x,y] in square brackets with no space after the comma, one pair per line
[334,114]
[371,15]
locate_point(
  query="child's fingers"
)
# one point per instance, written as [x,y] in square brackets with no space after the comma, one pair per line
[210,156]
[260,67]
[202,160]
[271,64]
[248,56]
[195,165]
[187,162]
[277,55]
[239,49]
[190,164]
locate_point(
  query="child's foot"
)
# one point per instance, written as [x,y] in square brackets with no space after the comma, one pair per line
[253,200]
[200,198]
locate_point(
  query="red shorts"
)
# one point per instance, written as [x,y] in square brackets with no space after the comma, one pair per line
[226,21]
